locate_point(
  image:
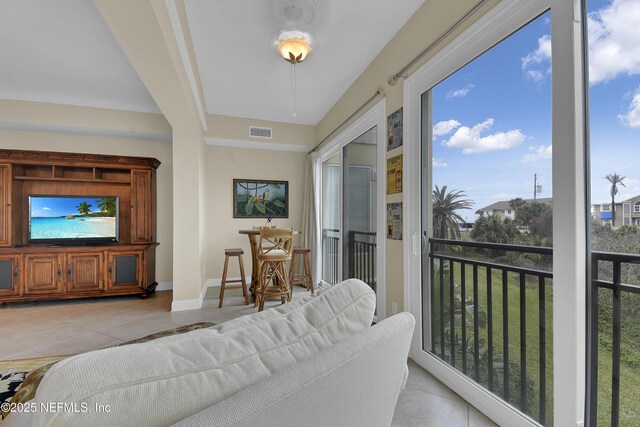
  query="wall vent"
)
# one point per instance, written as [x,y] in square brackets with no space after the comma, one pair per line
[260,132]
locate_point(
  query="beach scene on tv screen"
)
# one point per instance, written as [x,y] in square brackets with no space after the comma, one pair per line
[73,217]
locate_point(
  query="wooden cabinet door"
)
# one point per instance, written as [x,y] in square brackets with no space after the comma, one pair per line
[44,274]
[124,271]
[84,272]
[10,276]
[141,206]
[5,205]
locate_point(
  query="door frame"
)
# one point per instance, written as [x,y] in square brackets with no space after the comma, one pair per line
[375,116]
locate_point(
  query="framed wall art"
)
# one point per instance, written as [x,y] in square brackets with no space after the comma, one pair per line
[254,198]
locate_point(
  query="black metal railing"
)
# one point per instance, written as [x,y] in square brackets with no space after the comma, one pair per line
[330,255]
[473,335]
[362,256]
[608,292]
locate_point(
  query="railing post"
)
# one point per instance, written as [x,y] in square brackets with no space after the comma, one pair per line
[490,327]
[523,345]
[351,255]
[542,330]
[615,349]
[592,352]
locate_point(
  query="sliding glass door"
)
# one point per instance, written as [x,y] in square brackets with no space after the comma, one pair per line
[614,117]
[349,211]
[359,208]
[487,210]
[331,219]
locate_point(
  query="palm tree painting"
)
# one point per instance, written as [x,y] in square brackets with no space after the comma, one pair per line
[614,179]
[445,218]
[84,208]
[260,199]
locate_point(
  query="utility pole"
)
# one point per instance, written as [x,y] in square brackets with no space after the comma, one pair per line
[536,187]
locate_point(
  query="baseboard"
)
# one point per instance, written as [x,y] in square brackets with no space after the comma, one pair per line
[196,304]
[164,286]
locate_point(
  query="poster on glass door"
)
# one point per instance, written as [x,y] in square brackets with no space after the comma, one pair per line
[394,175]
[394,221]
[394,130]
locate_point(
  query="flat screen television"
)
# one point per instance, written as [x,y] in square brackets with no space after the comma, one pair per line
[73,220]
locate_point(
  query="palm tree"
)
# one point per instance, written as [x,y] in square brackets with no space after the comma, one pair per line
[445,218]
[83,208]
[107,206]
[614,179]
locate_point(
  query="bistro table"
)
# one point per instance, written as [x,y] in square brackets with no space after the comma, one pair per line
[254,237]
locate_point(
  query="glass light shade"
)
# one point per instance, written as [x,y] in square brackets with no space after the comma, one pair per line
[294,43]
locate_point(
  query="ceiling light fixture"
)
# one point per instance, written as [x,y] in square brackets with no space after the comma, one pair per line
[294,46]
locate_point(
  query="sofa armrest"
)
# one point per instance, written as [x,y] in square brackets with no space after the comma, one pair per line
[355,382]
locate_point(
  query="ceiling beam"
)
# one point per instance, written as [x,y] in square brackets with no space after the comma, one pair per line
[144,31]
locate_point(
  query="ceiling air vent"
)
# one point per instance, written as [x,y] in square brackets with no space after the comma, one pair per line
[260,132]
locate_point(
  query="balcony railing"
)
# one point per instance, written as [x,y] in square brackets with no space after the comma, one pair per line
[362,255]
[490,313]
[613,315]
[491,317]
[330,255]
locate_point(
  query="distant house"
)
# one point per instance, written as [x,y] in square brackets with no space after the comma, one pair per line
[627,212]
[502,208]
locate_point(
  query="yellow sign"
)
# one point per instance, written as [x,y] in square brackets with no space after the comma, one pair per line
[394,175]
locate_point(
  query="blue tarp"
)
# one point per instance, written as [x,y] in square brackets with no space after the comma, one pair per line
[605,215]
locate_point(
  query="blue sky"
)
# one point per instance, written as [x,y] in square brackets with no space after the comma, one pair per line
[492,118]
[60,206]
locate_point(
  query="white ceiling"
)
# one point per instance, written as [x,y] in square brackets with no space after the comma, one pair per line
[243,75]
[62,52]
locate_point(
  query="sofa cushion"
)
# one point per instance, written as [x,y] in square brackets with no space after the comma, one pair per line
[166,380]
[353,383]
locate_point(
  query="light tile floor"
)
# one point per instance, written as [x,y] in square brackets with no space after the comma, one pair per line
[51,328]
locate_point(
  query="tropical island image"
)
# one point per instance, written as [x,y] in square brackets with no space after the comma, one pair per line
[73,217]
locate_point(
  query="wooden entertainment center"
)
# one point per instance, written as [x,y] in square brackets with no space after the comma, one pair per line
[30,271]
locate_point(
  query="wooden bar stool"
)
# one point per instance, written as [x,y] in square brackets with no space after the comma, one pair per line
[296,278]
[229,253]
[274,250]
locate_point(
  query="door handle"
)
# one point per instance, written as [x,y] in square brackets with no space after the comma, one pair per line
[69,271]
[110,271]
[15,275]
[59,271]
[424,242]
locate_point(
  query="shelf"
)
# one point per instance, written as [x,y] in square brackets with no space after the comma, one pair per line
[105,181]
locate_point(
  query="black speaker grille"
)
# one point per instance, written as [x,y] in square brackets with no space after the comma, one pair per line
[6,274]
[126,269]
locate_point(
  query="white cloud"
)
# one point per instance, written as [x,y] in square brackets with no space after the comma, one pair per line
[445,127]
[614,44]
[534,75]
[459,93]
[439,163]
[614,40]
[632,117]
[541,57]
[539,152]
[471,140]
[46,209]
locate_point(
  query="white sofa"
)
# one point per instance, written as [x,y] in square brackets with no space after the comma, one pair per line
[312,362]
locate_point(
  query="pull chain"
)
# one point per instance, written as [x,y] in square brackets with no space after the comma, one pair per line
[293,88]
